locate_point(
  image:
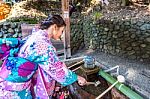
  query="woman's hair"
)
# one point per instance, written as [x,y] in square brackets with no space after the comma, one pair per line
[52,19]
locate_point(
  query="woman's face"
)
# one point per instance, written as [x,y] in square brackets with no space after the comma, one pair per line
[57,32]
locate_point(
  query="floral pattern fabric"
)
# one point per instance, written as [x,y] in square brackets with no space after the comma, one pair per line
[38,49]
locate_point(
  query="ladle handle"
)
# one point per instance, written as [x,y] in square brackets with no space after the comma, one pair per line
[89,83]
[106,90]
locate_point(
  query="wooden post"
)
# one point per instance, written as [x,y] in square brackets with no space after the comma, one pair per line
[65,10]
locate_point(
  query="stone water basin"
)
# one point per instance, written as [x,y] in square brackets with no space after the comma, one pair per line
[92,91]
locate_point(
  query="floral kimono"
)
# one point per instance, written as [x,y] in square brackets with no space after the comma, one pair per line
[31,67]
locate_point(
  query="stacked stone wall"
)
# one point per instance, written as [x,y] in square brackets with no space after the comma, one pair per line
[129,38]
[9,29]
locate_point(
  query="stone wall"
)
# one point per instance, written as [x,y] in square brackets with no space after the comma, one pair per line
[13,29]
[77,36]
[9,29]
[128,38]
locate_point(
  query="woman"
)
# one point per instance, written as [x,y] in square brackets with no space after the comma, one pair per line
[38,49]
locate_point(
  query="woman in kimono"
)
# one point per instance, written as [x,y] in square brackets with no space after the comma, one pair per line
[26,81]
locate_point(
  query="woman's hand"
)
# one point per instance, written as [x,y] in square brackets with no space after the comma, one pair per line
[81,81]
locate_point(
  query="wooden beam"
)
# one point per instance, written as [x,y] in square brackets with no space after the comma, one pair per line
[65,12]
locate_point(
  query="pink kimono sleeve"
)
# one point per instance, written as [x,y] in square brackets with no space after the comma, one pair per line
[52,65]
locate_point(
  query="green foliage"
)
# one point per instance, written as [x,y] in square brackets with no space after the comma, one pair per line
[24,19]
[97,15]
[44,6]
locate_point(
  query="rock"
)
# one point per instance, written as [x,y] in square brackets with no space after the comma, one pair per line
[120,34]
[129,48]
[13,25]
[133,36]
[147,34]
[120,39]
[127,23]
[5,32]
[118,43]
[104,36]
[101,46]
[114,36]
[1,34]
[5,27]
[110,47]
[145,27]
[117,27]
[122,26]
[95,34]
[132,30]
[17,30]
[132,57]
[148,52]
[123,47]
[133,21]
[148,39]
[19,35]
[106,29]
[126,32]
[10,31]
[109,34]
[139,23]
[134,44]
[127,39]
[111,26]
[117,50]
[5,36]
[136,48]
[143,45]
[6,24]
[104,32]
[131,52]
[145,56]
[15,35]
[19,26]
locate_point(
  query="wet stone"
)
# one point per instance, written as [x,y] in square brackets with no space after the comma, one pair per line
[11,31]
[6,23]
[134,44]
[131,52]
[148,39]
[15,35]
[5,28]
[1,34]
[133,36]
[132,57]
[145,56]
[129,48]
[127,23]
[143,45]
[13,25]
[106,29]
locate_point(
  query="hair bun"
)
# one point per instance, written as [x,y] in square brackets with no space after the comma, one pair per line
[52,19]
